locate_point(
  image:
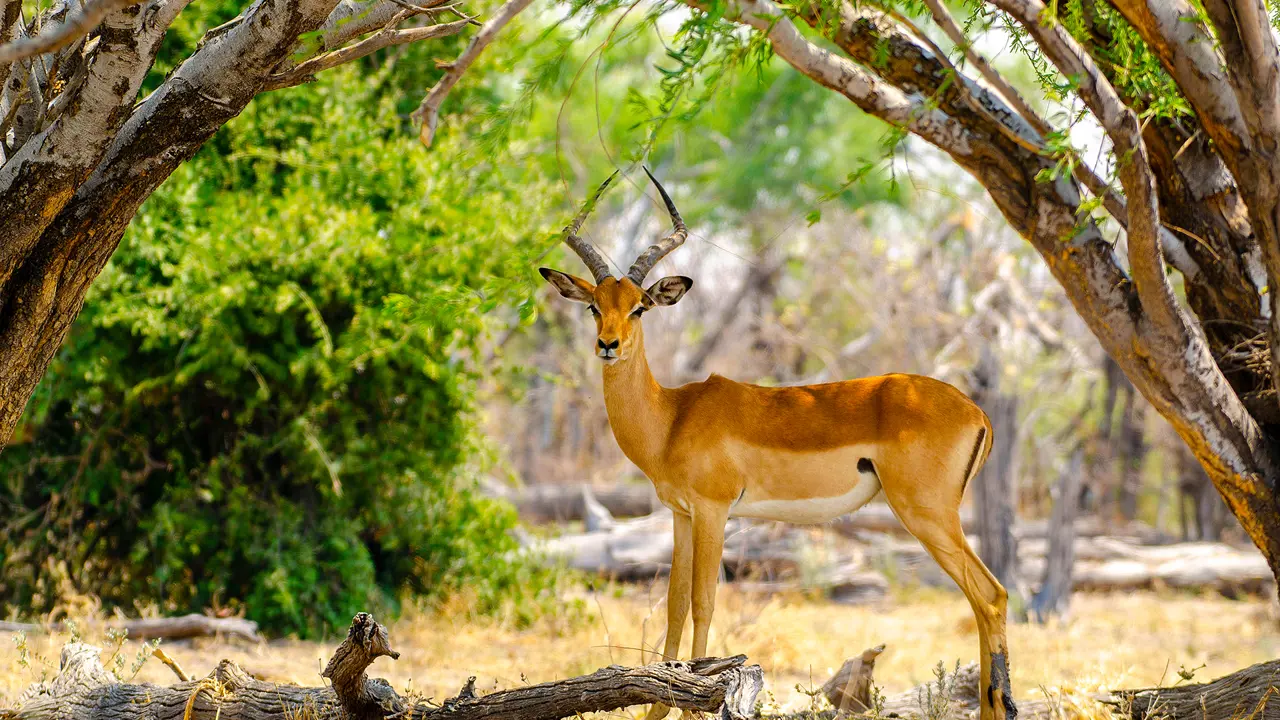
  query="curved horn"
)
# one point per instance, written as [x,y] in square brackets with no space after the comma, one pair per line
[650,257]
[596,264]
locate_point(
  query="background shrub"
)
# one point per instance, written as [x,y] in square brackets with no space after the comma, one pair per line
[268,398]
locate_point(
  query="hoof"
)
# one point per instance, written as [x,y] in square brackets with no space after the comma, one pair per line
[1000,683]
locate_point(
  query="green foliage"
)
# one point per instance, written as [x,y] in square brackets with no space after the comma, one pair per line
[267,400]
[702,102]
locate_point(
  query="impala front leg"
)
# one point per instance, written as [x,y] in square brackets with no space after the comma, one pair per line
[708,547]
[680,585]
[679,594]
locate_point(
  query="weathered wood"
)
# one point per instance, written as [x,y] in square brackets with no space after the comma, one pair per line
[879,517]
[169,628]
[1248,693]
[757,557]
[1108,564]
[84,690]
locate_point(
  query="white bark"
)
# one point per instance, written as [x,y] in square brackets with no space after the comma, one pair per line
[64,33]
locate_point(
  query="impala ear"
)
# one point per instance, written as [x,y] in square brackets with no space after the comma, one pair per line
[669,290]
[574,288]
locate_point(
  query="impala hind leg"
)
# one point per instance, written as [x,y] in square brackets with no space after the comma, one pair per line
[679,595]
[938,529]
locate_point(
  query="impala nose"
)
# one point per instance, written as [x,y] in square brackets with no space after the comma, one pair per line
[607,349]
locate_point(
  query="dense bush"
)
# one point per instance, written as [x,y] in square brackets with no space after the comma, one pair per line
[267,399]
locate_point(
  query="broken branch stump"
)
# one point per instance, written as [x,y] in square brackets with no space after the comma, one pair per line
[84,690]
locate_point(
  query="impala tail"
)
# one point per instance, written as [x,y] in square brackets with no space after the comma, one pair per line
[981,450]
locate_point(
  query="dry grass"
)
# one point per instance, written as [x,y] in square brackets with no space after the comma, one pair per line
[1112,641]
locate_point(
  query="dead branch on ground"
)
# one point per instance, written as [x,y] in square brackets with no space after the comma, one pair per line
[85,690]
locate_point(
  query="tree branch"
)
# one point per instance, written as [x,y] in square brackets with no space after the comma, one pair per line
[1121,124]
[75,26]
[866,90]
[428,113]
[387,37]
[1114,204]
[1172,30]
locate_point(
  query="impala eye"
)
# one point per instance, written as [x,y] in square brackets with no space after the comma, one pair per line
[594,310]
[638,311]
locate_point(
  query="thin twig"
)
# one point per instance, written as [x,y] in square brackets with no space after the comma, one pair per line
[428,113]
[384,38]
[163,657]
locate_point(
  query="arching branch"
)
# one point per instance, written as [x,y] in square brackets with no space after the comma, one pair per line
[1114,204]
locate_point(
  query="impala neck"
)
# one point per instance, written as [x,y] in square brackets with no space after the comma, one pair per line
[639,412]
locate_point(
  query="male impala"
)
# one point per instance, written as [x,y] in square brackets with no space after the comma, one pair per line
[720,448]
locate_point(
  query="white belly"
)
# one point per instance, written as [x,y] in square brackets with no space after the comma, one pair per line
[809,511]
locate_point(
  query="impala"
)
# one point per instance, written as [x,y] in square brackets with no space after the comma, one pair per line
[719,448]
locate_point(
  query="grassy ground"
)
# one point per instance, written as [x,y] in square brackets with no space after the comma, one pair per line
[1111,641]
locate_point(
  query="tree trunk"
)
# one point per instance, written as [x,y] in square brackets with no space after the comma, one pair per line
[1201,511]
[84,690]
[761,281]
[994,487]
[1054,595]
[1132,452]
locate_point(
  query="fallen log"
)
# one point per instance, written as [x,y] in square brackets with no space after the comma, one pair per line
[568,502]
[1253,693]
[84,690]
[169,628]
[757,557]
[776,556]
[540,504]
[1108,564]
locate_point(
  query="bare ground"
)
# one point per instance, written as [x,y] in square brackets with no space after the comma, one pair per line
[1111,641]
